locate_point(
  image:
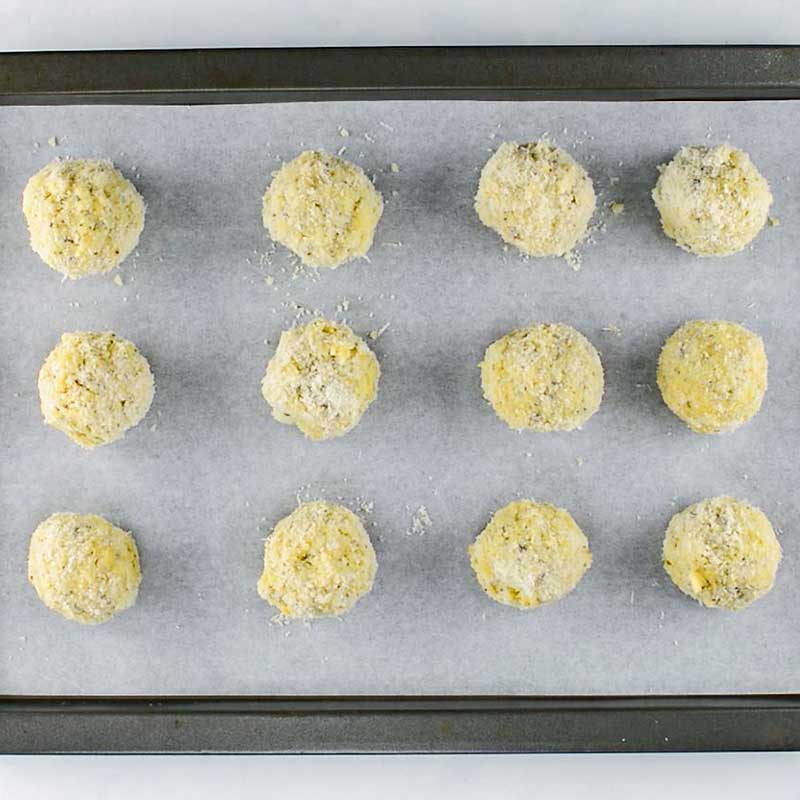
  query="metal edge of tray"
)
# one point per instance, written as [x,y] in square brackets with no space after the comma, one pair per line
[399,724]
[453,724]
[673,72]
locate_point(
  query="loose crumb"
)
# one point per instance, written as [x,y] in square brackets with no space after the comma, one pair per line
[617,207]
[573,259]
[53,141]
[117,279]
[773,222]
[378,333]
[394,167]
[611,328]
[420,522]
[366,506]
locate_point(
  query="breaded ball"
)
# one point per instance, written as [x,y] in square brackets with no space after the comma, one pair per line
[722,552]
[323,208]
[94,387]
[545,377]
[713,375]
[322,378]
[712,200]
[530,554]
[84,216]
[318,561]
[83,567]
[537,197]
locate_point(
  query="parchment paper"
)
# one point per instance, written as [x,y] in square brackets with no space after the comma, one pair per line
[202,480]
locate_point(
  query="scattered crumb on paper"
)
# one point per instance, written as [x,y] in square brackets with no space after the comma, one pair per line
[378,333]
[420,522]
[573,259]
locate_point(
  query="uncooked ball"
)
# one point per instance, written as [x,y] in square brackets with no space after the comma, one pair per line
[94,387]
[545,377]
[322,378]
[713,375]
[712,200]
[722,552]
[84,216]
[529,554]
[323,208]
[83,567]
[537,197]
[318,561]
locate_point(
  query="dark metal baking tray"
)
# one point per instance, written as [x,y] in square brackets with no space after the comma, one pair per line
[399,73]
[327,724]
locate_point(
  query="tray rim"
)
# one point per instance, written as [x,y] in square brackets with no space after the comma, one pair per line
[399,724]
[424,723]
[612,72]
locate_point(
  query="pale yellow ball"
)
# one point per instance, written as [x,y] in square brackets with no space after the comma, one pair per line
[318,561]
[83,567]
[722,552]
[322,378]
[712,200]
[323,208]
[545,377]
[713,375]
[84,216]
[529,554]
[94,387]
[537,197]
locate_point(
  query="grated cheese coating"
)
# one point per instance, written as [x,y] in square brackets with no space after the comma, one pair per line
[722,552]
[713,375]
[83,567]
[84,217]
[323,208]
[537,197]
[712,200]
[318,561]
[94,387]
[322,379]
[545,377]
[530,554]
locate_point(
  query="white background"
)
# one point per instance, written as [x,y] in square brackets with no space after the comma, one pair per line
[95,24]
[87,24]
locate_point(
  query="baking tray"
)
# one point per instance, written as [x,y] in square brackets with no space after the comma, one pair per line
[447,723]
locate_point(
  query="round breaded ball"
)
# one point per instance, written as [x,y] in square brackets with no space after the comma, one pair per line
[529,554]
[722,552]
[94,387]
[712,200]
[83,567]
[84,216]
[545,377]
[537,197]
[713,375]
[318,561]
[323,208]
[322,378]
